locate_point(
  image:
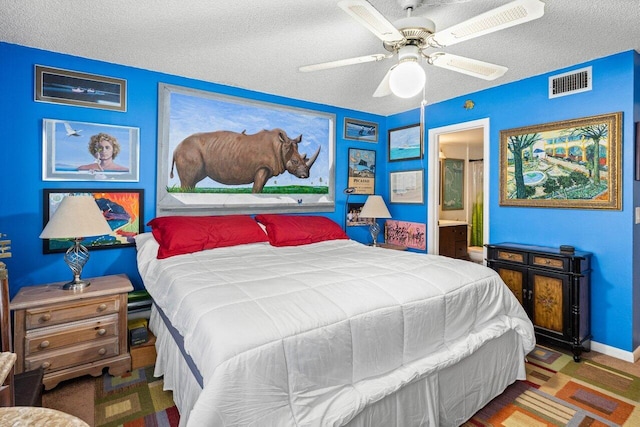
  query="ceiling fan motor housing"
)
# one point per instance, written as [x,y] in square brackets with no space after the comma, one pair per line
[417,30]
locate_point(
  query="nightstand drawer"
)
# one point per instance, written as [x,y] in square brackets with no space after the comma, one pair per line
[47,339]
[63,313]
[71,356]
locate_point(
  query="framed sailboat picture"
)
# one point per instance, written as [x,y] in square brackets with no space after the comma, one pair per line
[405,143]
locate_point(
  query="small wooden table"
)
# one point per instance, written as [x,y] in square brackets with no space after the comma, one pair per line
[37,417]
[72,333]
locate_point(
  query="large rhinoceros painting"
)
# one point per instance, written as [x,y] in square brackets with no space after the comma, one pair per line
[214,144]
[234,158]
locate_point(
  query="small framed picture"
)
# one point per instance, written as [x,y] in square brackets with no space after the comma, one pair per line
[358,130]
[362,171]
[80,89]
[403,233]
[79,151]
[123,210]
[353,215]
[452,182]
[405,143]
[407,186]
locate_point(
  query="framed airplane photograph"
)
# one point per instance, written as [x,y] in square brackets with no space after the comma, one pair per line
[60,86]
[358,130]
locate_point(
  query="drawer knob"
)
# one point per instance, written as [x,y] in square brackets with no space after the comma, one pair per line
[45,317]
[44,344]
[102,307]
[102,331]
[102,351]
[46,365]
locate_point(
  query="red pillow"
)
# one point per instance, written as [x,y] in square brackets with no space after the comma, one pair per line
[179,235]
[292,230]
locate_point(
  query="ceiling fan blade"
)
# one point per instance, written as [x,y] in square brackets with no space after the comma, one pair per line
[514,13]
[367,15]
[383,88]
[471,67]
[343,62]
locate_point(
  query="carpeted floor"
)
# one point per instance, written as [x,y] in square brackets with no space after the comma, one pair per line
[132,400]
[560,392]
[599,391]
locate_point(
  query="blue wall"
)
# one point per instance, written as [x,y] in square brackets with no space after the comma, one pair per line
[610,235]
[606,233]
[21,160]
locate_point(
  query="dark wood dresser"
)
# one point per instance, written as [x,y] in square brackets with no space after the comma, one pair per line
[552,286]
[453,241]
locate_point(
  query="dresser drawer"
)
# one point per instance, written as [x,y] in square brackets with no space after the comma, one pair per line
[511,256]
[549,262]
[51,338]
[63,313]
[71,356]
[461,250]
[457,232]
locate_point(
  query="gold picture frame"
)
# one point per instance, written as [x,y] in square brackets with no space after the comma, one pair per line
[555,164]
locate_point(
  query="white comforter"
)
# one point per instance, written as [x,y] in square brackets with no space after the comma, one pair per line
[311,335]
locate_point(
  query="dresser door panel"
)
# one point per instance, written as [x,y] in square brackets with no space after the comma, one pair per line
[516,280]
[548,301]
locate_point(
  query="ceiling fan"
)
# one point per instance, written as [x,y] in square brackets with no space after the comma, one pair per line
[412,36]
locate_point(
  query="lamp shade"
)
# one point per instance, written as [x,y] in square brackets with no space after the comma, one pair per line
[375,207]
[76,216]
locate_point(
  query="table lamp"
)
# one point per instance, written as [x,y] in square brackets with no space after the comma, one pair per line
[77,217]
[374,208]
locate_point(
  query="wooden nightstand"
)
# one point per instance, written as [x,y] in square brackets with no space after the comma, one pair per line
[391,246]
[70,333]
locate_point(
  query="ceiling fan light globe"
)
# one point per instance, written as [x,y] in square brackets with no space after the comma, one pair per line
[407,79]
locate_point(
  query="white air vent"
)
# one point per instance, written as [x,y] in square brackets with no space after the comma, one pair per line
[575,81]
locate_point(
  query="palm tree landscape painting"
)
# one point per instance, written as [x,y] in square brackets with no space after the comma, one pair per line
[568,164]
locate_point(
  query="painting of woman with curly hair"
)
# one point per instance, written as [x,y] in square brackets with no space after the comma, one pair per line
[81,151]
[104,148]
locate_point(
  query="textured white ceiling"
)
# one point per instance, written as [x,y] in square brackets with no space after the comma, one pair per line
[259,44]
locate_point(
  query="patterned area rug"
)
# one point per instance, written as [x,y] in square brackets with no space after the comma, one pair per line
[560,392]
[557,392]
[135,399]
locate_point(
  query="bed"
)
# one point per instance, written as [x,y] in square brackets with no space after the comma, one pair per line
[287,322]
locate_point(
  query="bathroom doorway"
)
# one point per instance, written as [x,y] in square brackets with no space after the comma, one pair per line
[463,144]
